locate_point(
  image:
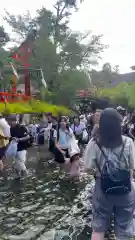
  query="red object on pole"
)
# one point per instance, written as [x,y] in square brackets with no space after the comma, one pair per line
[27,83]
[13,97]
[13,88]
[83,93]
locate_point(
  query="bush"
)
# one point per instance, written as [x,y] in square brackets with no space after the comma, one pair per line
[33,107]
[123,94]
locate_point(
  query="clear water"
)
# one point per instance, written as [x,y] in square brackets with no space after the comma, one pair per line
[45,205]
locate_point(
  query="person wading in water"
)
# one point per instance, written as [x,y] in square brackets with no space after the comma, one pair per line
[110,157]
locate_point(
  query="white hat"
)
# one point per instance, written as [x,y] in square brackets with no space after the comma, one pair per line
[74,153]
[119,108]
[74,149]
[82,116]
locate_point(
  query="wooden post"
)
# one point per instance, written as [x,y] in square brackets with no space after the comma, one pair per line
[27,83]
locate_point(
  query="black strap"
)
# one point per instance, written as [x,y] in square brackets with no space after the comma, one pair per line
[102,153]
[51,132]
[101,150]
[74,128]
[122,150]
[58,134]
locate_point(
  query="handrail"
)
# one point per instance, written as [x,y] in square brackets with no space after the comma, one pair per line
[13,97]
[12,94]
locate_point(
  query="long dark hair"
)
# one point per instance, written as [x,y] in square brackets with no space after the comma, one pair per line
[76,117]
[67,125]
[110,134]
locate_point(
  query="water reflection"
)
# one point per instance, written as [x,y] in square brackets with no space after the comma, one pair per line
[45,205]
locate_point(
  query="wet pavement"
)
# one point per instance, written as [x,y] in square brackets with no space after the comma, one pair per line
[46,205]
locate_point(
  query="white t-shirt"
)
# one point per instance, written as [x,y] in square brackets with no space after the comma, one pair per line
[132,126]
[84,121]
[33,129]
[5,127]
[50,125]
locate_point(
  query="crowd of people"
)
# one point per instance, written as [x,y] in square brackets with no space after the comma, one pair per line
[100,143]
[63,138]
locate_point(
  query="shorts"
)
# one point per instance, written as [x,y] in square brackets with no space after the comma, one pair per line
[40,140]
[66,153]
[59,157]
[20,160]
[2,152]
[122,207]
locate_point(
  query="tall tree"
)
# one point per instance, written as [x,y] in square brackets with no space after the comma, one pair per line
[116,69]
[106,76]
[61,53]
[4,38]
[107,67]
[20,24]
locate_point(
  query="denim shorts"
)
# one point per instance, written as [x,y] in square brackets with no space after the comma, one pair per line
[2,152]
[122,206]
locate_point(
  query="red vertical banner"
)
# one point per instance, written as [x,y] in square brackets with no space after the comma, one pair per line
[22,56]
[27,82]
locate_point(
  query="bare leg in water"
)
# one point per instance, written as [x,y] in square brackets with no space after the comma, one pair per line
[1,165]
[97,236]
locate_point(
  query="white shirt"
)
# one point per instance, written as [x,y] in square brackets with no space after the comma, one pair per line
[93,152]
[132,126]
[5,127]
[50,125]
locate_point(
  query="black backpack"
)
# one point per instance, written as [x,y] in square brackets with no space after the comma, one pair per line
[114,180]
[51,141]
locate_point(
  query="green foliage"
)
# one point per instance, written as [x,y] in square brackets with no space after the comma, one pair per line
[62,54]
[4,38]
[123,94]
[33,107]
[71,81]
[21,25]
[106,76]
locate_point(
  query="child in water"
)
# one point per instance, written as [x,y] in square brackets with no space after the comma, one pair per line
[73,166]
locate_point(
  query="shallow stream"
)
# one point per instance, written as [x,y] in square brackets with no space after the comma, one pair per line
[45,206]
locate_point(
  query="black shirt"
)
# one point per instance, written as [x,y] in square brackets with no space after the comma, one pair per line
[20,131]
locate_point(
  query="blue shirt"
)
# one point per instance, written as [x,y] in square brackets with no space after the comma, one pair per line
[64,139]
